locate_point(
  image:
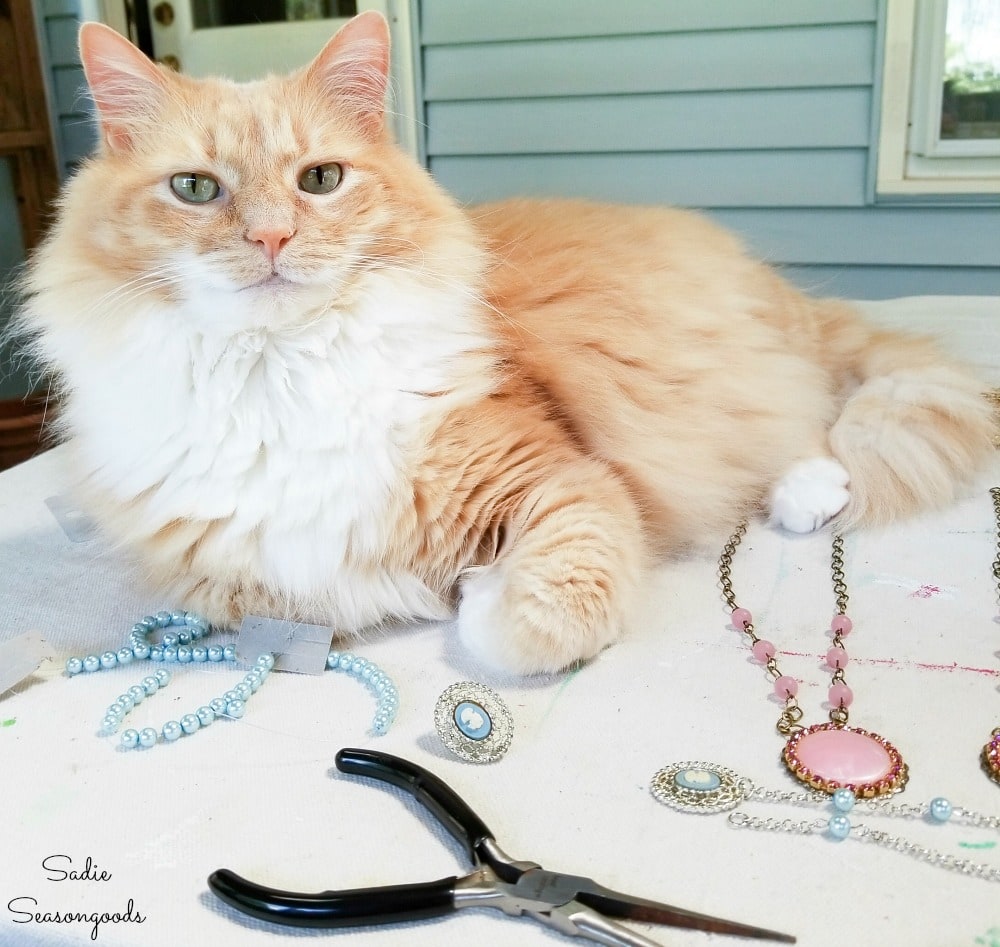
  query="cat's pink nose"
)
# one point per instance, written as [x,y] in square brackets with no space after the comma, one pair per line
[271,239]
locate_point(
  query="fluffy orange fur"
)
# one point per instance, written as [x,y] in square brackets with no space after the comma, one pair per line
[602,384]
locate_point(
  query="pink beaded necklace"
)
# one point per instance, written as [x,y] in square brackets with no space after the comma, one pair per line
[991,752]
[825,756]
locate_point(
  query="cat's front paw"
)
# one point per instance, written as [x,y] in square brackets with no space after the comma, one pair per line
[531,624]
[809,495]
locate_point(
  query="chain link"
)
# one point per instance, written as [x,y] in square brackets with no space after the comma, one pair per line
[995,494]
[964,866]
[789,721]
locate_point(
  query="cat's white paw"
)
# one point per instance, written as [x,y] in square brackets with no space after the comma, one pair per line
[523,621]
[809,495]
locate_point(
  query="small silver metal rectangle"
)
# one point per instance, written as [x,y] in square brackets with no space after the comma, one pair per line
[296,646]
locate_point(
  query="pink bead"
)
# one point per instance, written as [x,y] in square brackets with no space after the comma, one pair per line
[763,650]
[841,625]
[786,687]
[741,618]
[836,658]
[840,695]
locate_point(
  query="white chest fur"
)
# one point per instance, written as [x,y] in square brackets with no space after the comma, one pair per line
[302,441]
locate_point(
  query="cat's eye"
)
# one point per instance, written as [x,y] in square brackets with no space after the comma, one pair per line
[322,179]
[194,188]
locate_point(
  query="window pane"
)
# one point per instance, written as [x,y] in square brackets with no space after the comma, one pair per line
[208,13]
[970,103]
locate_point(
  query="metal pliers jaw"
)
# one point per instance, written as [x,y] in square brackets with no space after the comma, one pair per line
[569,903]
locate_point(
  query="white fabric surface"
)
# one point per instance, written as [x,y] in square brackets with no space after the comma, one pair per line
[261,796]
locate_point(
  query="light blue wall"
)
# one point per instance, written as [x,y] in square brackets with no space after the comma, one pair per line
[75,134]
[762,112]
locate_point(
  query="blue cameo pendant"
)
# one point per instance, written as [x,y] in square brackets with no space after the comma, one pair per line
[699,787]
[473,722]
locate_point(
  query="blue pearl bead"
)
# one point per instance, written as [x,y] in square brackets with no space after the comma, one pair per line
[266,662]
[843,800]
[839,826]
[137,692]
[183,654]
[91,663]
[149,622]
[162,619]
[230,695]
[170,654]
[178,618]
[229,652]
[253,683]
[236,708]
[130,739]
[940,809]
[150,685]
[184,637]
[162,677]
[198,626]
[218,706]
[205,715]
[74,666]
[190,723]
[156,653]
[358,665]
[214,653]
[125,655]
[147,737]
[169,640]
[125,702]
[172,730]
[110,724]
[333,659]
[140,651]
[199,654]
[243,690]
[346,659]
[139,630]
[109,660]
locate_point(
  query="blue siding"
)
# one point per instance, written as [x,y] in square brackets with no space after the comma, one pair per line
[75,133]
[761,112]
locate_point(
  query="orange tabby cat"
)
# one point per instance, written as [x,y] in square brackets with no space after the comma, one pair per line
[302,382]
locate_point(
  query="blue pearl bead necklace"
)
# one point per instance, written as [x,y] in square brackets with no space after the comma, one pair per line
[182,647]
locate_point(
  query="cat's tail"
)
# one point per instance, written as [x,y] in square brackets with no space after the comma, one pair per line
[915,426]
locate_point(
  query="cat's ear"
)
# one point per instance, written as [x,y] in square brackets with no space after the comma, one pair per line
[354,69]
[125,84]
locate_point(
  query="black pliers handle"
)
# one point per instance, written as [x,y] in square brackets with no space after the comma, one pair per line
[572,904]
[388,903]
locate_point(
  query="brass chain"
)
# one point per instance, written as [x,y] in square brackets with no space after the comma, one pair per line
[995,494]
[790,718]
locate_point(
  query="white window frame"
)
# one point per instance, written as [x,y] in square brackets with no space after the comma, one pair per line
[912,160]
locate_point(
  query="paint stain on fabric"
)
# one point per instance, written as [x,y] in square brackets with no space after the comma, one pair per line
[898,665]
[990,939]
[562,687]
[979,846]
[8,723]
[916,588]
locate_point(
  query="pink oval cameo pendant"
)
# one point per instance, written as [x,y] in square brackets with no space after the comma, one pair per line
[830,756]
[991,756]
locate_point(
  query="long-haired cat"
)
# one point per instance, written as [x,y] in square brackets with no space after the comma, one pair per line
[301,381]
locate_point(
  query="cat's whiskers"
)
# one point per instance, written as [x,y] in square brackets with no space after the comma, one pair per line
[123,295]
